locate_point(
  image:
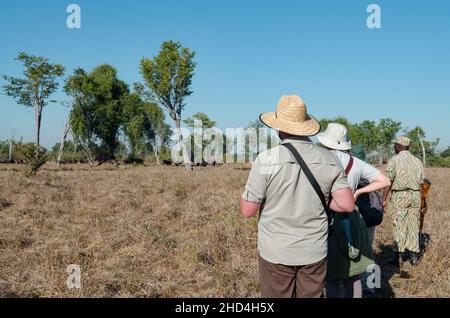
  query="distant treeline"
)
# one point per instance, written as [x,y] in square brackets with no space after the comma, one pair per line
[376,139]
[110,120]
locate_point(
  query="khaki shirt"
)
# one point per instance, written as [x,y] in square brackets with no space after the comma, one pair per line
[405,171]
[293,225]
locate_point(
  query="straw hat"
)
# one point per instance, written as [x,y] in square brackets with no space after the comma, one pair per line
[404,141]
[291,117]
[335,137]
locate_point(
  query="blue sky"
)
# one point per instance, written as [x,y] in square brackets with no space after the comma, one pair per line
[249,53]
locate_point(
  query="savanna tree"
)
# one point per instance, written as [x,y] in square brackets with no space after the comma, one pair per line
[82,117]
[204,123]
[387,130]
[35,89]
[97,112]
[108,93]
[134,122]
[156,130]
[264,139]
[366,134]
[144,126]
[420,146]
[169,76]
[445,153]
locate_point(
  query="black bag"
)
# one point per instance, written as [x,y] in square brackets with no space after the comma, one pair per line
[369,206]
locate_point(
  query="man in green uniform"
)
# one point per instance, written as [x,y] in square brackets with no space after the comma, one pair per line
[407,174]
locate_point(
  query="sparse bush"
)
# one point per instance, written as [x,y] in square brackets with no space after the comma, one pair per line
[445,153]
[438,161]
[4,151]
[72,153]
[4,204]
[33,156]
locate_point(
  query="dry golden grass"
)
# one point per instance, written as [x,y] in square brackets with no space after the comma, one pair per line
[162,232]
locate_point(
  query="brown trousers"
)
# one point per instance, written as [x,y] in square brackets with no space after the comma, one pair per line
[281,281]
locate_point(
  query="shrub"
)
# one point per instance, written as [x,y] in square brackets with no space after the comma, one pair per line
[438,161]
[32,155]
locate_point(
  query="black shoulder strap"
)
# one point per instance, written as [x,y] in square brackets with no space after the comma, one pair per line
[310,176]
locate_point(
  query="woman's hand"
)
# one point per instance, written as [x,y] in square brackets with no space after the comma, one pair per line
[384,204]
[357,194]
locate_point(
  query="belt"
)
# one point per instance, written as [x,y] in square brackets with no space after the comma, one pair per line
[405,190]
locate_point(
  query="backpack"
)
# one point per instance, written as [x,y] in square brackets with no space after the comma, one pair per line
[369,205]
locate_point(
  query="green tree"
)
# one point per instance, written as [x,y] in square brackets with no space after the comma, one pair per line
[204,123]
[357,133]
[387,131]
[134,121]
[4,151]
[144,126]
[264,139]
[366,134]
[446,153]
[108,92]
[71,153]
[419,146]
[203,119]
[339,120]
[156,130]
[34,90]
[82,117]
[353,131]
[169,76]
[97,112]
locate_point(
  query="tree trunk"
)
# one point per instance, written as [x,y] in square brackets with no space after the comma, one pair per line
[424,158]
[156,147]
[187,159]
[381,152]
[88,152]
[89,157]
[38,116]
[10,150]
[75,149]
[156,152]
[63,141]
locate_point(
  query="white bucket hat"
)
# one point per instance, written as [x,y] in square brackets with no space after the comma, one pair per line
[335,137]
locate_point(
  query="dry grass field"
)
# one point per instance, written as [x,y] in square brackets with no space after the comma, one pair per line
[164,232]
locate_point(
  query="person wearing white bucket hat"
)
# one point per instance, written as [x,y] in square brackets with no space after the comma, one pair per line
[336,140]
[335,137]
[293,214]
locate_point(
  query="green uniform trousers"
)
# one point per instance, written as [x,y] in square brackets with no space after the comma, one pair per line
[405,210]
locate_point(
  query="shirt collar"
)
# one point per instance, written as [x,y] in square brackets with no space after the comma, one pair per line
[300,139]
[340,152]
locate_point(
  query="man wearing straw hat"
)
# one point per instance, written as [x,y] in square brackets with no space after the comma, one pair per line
[291,185]
[407,175]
